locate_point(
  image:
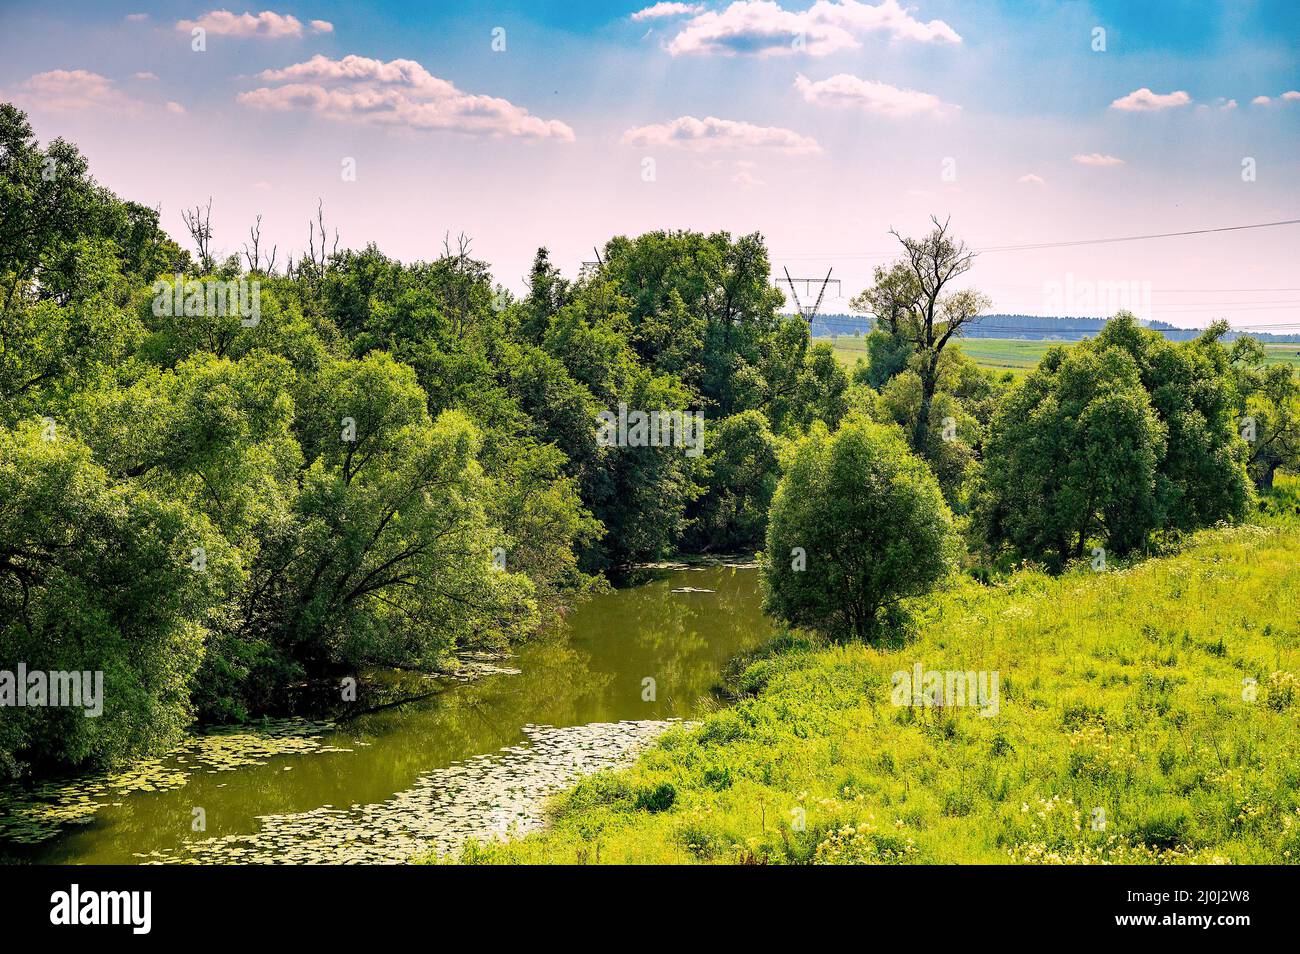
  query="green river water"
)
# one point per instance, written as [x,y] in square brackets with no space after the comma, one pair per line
[476,760]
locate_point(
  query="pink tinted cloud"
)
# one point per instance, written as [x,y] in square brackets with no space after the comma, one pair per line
[399,93]
[712,133]
[73,90]
[267,24]
[881,99]
[1097,159]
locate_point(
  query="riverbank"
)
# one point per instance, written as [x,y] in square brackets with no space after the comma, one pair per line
[1140,715]
[476,759]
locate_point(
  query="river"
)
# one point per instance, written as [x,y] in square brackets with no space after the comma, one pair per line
[476,760]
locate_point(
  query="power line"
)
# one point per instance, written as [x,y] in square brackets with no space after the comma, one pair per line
[1061,244]
[1180,309]
[1164,291]
[1139,238]
[1212,304]
[832,321]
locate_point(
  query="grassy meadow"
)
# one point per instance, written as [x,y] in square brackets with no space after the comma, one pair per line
[1019,355]
[1127,731]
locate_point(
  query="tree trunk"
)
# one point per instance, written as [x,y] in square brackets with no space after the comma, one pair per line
[1266,481]
[921,437]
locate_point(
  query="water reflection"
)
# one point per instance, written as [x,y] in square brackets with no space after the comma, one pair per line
[591,670]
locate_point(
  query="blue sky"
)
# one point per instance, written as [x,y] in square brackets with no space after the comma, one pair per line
[821,125]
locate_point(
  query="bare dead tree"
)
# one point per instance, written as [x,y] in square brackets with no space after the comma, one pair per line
[315,259]
[463,245]
[913,300]
[254,255]
[312,263]
[462,278]
[199,223]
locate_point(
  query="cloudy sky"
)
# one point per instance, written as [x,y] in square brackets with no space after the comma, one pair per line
[821,125]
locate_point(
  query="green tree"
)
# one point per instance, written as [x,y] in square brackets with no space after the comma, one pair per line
[548,292]
[640,494]
[1201,476]
[953,434]
[391,561]
[888,354]
[69,252]
[858,524]
[699,306]
[1270,421]
[1072,457]
[741,469]
[100,577]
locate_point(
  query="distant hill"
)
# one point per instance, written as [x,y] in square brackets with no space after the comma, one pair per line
[1032,327]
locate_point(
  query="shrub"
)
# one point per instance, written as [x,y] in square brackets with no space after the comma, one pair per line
[657,799]
[868,518]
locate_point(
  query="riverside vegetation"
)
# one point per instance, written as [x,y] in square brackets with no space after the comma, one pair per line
[384,465]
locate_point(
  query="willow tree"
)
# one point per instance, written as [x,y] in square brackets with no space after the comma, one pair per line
[1073,459]
[857,525]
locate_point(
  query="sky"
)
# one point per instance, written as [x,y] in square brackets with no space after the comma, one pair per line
[821,125]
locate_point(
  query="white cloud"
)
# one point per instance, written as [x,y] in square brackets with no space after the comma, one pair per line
[174,107]
[1260,101]
[765,28]
[1290,95]
[1145,101]
[1031,179]
[269,25]
[882,99]
[398,93]
[711,133]
[136,17]
[72,90]
[146,76]
[661,10]
[1097,159]
[322,26]
[744,175]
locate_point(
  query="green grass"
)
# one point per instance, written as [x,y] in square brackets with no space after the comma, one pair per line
[1283,354]
[1121,691]
[1020,355]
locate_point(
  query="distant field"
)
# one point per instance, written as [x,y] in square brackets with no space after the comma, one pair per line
[1020,354]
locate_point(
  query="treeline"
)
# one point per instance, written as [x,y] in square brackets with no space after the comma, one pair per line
[1040,327]
[220,479]
[384,464]
[1034,328]
[1107,447]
